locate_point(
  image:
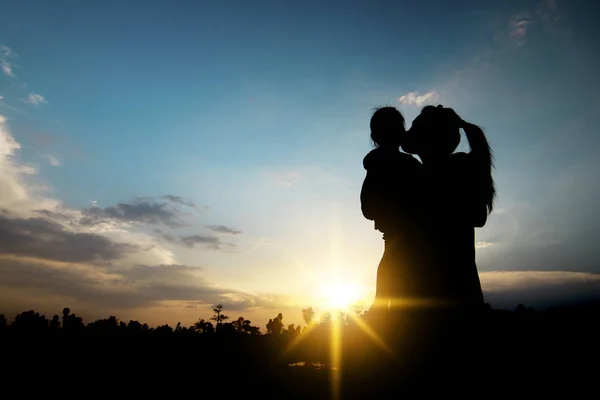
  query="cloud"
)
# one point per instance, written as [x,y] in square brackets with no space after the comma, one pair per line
[190,241]
[416,99]
[55,162]
[18,192]
[223,229]
[483,244]
[518,27]
[539,289]
[6,65]
[96,256]
[544,17]
[138,212]
[112,287]
[180,200]
[1,97]
[43,238]
[100,260]
[36,99]
[211,241]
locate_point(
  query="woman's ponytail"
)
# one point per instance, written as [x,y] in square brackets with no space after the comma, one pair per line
[482,153]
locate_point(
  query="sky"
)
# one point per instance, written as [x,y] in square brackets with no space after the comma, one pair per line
[158,158]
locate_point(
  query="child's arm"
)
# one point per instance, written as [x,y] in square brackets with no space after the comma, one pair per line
[368,197]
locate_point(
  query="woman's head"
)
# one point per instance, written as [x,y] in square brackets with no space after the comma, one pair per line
[387,127]
[434,133]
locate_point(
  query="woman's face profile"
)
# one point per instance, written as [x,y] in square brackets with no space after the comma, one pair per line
[433,137]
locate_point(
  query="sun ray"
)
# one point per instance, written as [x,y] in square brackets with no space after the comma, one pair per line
[372,334]
[298,339]
[336,357]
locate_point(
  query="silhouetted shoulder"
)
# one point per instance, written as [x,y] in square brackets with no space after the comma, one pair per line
[384,158]
[460,157]
[460,161]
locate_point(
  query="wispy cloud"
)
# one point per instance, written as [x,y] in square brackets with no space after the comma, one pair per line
[139,211]
[180,200]
[416,99]
[518,27]
[483,244]
[545,17]
[55,162]
[223,229]
[6,65]
[1,97]
[36,99]
[190,241]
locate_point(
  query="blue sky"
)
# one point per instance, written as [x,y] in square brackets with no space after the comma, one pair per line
[257,113]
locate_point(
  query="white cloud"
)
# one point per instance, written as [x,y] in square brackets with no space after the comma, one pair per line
[518,27]
[6,68]
[54,161]
[483,244]
[1,97]
[36,99]
[416,99]
[17,195]
[6,54]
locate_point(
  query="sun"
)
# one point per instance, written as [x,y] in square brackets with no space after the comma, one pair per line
[339,295]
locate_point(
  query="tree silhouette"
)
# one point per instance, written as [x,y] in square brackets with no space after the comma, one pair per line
[202,326]
[249,329]
[71,324]
[308,315]
[65,314]
[357,308]
[30,322]
[238,324]
[326,318]
[275,325]
[218,316]
[55,323]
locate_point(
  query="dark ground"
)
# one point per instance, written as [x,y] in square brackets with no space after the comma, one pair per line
[517,354]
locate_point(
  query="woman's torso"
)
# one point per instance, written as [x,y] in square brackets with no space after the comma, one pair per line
[447,237]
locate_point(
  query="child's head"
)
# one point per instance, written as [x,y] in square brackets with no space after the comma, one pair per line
[387,127]
[434,133]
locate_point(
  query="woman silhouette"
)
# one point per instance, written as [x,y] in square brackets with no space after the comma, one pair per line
[428,213]
[459,194]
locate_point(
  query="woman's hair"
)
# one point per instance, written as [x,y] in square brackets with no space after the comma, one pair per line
[435,131]
[445,124]
[482,153]
[384,126]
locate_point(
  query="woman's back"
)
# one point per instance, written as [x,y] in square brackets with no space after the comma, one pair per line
[454,206]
